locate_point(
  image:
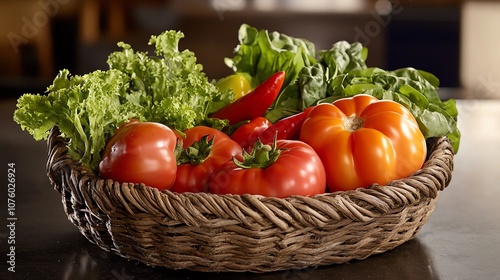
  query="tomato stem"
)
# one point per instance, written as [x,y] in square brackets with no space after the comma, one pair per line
[261,156]
[353,123]
[197,152]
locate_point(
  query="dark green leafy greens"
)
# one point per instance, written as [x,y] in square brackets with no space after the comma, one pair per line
[262,54]
[169,88]
[336,73]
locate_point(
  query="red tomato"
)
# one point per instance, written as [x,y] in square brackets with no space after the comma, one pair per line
[295,170]
[362,141]
[141,152]
[204,150]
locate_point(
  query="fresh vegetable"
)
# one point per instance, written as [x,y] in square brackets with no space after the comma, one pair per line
[141,152]
[323,76]
[286,168]
[169,88]
[261,54]
[414,89]
[237,83]
[247,134]
[255,104]
[285,129]
[203,150]
[363,140]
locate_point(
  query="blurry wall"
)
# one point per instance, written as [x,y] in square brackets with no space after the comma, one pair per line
[39,37]
[211,27]
[212,31]
[480,52]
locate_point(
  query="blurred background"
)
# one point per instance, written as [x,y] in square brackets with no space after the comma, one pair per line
[456,40]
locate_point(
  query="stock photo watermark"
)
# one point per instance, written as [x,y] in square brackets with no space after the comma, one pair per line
[11,218]
[486,87]
[30,25]
[222,6]
[381,18]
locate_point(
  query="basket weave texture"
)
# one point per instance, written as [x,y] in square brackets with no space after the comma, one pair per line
[207,232]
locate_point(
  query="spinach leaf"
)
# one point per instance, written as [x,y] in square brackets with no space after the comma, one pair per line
[261,54]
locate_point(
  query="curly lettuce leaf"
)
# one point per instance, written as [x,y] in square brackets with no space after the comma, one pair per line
[169,88]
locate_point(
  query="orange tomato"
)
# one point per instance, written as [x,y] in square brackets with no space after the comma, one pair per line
[362,140]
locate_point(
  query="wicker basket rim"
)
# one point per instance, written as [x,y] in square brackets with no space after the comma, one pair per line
[362,204]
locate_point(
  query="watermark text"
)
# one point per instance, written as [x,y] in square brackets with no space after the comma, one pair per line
[11,217]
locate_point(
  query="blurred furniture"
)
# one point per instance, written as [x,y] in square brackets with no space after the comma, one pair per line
[24,24]
[90,19]
[28,31]
[99,18]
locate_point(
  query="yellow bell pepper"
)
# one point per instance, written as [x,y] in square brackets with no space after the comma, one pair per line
[237,83]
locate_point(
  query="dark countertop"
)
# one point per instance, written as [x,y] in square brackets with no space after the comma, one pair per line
[460,241]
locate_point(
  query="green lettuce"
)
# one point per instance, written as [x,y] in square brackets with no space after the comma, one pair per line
[317,76]
[261,54]
[170,88]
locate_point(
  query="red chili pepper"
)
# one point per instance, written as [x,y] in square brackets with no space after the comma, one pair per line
[254,104]
[287,128]
[247,134]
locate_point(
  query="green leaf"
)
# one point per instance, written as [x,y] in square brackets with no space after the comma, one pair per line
[433,124]
[455,140]
[313,85]
[414,78]
[261,53]
[431,78]
[414,96]
[344,57]
[286,104]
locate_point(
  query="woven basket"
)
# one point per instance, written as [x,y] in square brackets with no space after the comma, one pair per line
[207,232]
